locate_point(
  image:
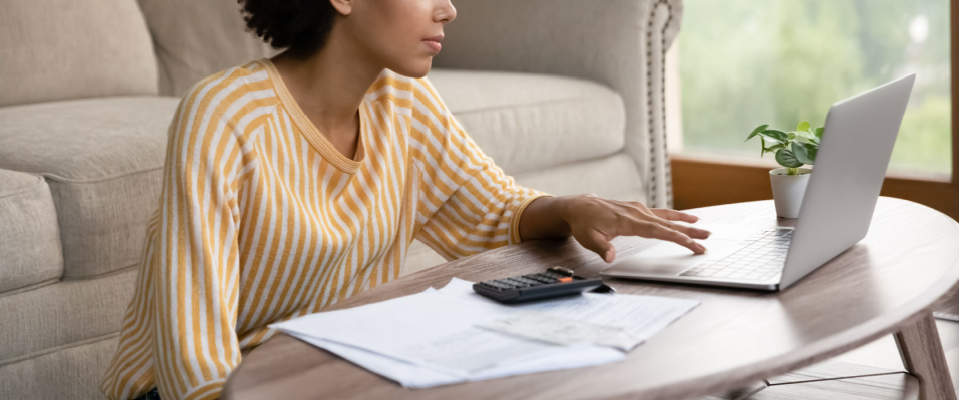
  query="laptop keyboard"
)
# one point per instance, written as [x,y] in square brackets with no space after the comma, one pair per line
[760,258]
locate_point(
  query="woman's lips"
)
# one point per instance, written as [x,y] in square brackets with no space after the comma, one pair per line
[433,44]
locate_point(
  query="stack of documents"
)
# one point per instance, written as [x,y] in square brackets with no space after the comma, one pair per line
[451,335]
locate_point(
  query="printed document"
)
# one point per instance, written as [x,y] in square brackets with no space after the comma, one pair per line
[450,335]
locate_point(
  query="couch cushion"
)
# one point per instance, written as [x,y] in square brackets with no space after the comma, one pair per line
[197,38]
[69,373]
[528,122]
[63,49]
[63,314]
[29,238]
[103,160]
[613,177]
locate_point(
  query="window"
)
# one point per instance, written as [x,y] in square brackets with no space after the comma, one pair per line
[743,63]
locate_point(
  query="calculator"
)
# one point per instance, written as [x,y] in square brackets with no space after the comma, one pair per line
[553,282]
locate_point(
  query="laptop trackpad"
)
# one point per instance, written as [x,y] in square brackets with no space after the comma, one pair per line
[669,259]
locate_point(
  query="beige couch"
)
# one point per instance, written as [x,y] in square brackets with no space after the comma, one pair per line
[566,95]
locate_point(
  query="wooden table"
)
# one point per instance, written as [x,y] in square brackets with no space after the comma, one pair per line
[887,283]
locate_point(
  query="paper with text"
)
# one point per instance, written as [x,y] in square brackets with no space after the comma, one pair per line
[561,331]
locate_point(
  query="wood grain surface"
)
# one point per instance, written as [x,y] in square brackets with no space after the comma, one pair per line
[949,308]
[828,370]
[895,276]
[898,386]
[923,356]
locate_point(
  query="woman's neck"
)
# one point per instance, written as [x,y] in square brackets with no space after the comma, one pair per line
[329,87]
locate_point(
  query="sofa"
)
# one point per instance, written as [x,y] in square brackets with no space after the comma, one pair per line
[565,95]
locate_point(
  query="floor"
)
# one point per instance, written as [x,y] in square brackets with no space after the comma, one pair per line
[873,371]
[883,353]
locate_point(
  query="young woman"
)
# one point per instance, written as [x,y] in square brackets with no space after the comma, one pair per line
[296,181]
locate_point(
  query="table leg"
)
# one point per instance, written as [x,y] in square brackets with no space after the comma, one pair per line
[923,357]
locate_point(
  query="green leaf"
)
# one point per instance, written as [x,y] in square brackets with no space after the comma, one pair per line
[803,126]
[792,135]
[774,148]
[787,159]
[812,152]
[759,129]
[774,135]
[805,137]
[802,153]
[818,133]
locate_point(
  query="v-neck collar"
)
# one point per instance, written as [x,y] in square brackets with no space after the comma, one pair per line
[310,131]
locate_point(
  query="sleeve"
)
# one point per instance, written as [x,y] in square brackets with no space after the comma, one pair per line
[196,269]
[466,204]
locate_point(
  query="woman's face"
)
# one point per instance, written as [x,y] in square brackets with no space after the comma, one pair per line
[402,35]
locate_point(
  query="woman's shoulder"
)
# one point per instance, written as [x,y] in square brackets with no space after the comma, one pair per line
[244,77]
[229,88]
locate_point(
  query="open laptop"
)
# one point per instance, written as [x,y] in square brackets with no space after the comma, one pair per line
[837,207]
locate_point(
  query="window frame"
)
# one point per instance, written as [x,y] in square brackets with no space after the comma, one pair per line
[701,180]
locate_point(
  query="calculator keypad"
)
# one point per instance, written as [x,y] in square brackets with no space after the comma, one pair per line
[524,281]
[554,282]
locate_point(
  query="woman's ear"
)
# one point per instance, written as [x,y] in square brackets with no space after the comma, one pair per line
[344,7]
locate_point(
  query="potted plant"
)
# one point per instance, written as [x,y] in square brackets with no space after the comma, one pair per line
[792,150]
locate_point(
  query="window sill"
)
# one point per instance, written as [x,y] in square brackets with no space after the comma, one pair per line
[701,180]
[769,163]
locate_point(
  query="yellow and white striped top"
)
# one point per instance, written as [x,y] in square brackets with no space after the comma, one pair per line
[262,220]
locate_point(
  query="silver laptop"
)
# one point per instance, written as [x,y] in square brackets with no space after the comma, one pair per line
[837,207]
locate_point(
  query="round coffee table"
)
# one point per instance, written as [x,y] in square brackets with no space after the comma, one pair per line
[887,283]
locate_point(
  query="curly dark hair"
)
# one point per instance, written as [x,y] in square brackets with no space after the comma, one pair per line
[302,26]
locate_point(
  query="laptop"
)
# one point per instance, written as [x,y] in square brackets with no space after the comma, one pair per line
[835,214]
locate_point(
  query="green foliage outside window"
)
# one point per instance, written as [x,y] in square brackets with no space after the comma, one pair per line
[748,62]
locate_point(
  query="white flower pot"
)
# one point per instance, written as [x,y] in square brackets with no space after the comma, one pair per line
[788,191]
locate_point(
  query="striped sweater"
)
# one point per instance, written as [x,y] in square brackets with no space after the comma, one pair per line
[262,220]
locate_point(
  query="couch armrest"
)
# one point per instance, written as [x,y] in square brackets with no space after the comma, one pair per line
[619,43]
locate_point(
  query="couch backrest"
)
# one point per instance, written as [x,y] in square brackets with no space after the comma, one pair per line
[195,38]
[63,49]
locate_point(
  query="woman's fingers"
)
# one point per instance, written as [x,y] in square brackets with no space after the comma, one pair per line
[597,242]
[665,216]
[690,231]
[674,215]
[658,231]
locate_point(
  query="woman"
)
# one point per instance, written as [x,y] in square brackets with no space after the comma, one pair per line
[296,181]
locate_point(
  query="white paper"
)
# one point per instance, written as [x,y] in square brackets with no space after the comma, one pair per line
[561,331]
[416,377]
[404,373]
[431,338]
[640,316]
[428,329]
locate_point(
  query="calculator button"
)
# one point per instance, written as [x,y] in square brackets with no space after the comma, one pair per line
[491,286]
[527,280]
[515,282]
[545,281]
[540,278]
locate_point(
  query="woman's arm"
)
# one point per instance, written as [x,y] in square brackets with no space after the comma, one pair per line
[470,205]
[197,270]
[466,203]
[595,221]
